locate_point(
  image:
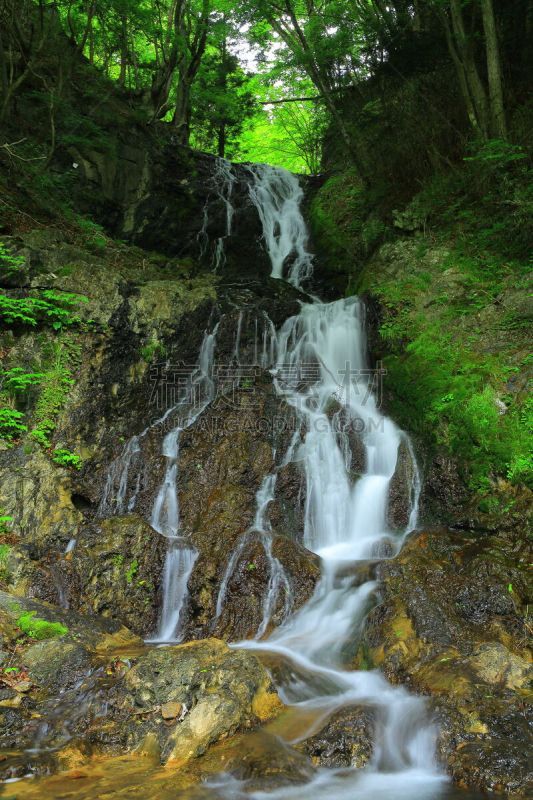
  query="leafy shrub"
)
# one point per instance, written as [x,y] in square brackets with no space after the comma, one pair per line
[11,425]
[49,307]
[9,263]
[66,458]
[17,381]
[37,628]
[42,433]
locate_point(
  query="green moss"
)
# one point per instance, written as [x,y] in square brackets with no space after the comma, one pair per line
[37,628]
[5,551]
[344,222]
[132,571]
[445,383]
[61,357]
[153,349]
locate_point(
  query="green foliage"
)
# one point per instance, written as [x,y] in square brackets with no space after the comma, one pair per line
[93,234]
[496,154]
[152,350]
[48,308]
[5,551]
[343,222]
[37,628]
[42,433]
[66,458]
[222,101]
[17,381]
[9,264]
[57,380]
[5,519]
[132,571]
[11,425]
[441,386]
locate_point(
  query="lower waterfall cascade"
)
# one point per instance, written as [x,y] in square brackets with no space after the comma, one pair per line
[345,522]
[317,359]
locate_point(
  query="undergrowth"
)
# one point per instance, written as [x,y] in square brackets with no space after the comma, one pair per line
[452,286]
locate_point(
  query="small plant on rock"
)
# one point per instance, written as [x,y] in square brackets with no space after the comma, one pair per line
[66,458]
[37,628]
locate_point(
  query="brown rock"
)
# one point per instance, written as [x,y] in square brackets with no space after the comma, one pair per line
[171,710]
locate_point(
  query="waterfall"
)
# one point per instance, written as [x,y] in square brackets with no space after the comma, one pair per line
[223,183]
[114,500]
[278,580]
[320,361]
[181,556]
[277,195]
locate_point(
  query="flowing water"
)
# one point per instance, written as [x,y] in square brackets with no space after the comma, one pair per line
[277,195]
[278,582]
[223,184]
[165,519]
[318,364]
[323,349]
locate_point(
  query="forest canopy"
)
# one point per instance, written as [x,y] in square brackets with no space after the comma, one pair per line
[265,81]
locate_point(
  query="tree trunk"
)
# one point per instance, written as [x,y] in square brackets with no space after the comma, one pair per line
[123,51]
[221,149]
[463,57]
[494,72]
[181,119]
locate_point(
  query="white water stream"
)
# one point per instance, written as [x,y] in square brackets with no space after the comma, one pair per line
[165,519]
[277,195]
[345,521]
[223,183]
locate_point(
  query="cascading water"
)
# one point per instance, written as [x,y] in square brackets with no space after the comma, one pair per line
[181,557]
[318,365]
[224,180]
[278,581]
[345,522]
[277,195]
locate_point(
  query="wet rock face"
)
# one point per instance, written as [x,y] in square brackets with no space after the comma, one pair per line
[115,566]
[401,489]
[247,590]
[156,194]
[97,688]
[224,457]
[346,740]
[116,570]
[452,625]
[444,495]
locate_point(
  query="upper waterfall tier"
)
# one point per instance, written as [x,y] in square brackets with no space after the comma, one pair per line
[278,195]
